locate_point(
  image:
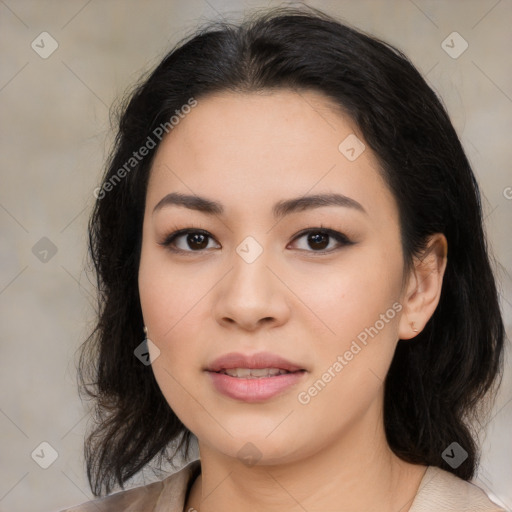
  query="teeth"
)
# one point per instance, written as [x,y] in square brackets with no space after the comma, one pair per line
[253,373]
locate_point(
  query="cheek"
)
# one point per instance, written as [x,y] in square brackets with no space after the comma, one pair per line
[175,321]
[345,299]
[171,296]
[178,368]
[172,308]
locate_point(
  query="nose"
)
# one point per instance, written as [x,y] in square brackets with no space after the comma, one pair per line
[250,296]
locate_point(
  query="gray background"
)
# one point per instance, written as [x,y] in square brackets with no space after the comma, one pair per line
[55,136]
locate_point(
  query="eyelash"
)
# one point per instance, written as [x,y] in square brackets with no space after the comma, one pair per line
[342,239]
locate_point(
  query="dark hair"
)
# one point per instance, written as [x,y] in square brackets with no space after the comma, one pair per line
[435,384]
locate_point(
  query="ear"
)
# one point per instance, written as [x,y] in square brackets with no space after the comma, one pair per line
[423,288]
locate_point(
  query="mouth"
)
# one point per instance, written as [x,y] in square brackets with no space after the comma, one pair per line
[262,364]
[253,378]
[255,373]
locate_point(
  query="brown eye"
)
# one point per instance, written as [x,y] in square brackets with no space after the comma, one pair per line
[187,240]
[322,240]
[197,240]
[318,240]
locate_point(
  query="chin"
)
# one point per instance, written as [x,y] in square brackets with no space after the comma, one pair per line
[256,447]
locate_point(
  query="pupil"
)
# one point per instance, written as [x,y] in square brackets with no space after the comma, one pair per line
[318,240]
[198,240]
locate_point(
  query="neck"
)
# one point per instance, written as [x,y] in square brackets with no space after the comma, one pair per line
[357,473]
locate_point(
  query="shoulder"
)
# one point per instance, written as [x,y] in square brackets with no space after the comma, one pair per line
[442,491]
[169,493]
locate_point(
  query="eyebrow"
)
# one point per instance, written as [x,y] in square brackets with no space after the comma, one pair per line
[280,209]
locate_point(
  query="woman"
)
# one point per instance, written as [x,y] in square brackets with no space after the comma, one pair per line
[289,216]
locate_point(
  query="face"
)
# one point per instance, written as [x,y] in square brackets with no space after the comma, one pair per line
[264,268]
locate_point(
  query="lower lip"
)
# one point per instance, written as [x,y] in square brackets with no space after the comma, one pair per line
[254,390]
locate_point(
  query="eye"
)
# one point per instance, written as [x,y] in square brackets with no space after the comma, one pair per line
[187,240]
[321,240]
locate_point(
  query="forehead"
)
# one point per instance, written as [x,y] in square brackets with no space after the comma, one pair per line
[263,147]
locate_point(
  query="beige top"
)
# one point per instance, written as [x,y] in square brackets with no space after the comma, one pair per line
[439,491]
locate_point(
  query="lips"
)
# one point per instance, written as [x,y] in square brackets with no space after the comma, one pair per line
[253,378]
[259,361]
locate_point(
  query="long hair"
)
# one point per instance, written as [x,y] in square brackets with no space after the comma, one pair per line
[437,381]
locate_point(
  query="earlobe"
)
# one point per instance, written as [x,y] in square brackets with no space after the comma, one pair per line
[423,291]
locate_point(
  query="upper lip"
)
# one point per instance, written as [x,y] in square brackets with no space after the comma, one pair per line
[255,361]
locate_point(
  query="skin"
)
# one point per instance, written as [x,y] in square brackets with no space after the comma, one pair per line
[249,151]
